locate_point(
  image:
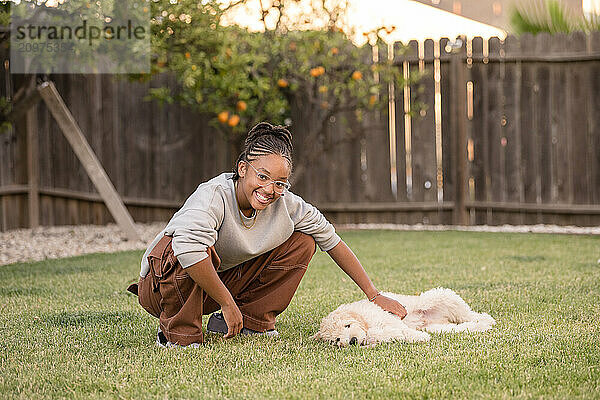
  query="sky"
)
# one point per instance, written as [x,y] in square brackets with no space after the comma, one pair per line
[591,6]
[415,21]
[411,19]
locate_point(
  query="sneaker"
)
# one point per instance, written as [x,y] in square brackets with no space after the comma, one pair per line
[161,341]
[217,324]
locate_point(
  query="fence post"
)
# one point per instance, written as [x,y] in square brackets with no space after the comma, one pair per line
[459,134]
[32,167]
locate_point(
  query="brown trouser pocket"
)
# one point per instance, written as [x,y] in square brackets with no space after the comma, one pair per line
[148,298]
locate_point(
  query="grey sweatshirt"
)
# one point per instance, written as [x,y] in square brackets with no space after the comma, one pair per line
[210,217]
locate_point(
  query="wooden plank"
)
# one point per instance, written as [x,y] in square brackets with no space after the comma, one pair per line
[353,130]
[31,127]
[448,156]
[477,128]
[577,98]
[386,206]
[95,126]
[543,123]
[5,139]
[401,121]
[45,166]
[85,197]
[530,144]
[6,190]
[494,129]
[423,132]
[376,147]
[574,209]
[18,205]
[87,157]
[459,112]
[511,127]
[561,142]
[594,118]
[411,125]
[64,169]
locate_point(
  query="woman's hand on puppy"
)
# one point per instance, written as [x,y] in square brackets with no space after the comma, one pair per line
[390,305]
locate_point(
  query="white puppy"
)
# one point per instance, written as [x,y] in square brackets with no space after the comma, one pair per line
[436,310]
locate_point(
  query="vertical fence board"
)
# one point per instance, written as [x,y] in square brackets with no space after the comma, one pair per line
[543,124]
[578,95]
[5,137]
[402,190]
[423,137]
[530,145]
[476,128]
[594,117]
[103,103]
[511,127]
[496,152]
[376,143]
[447,153]
[559,125]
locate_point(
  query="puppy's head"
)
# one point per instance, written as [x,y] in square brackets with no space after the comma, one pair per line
[342,328]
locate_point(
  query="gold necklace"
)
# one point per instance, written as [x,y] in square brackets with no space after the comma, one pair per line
[241,214]
[242,220]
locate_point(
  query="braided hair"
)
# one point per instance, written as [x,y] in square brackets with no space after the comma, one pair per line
[265,139]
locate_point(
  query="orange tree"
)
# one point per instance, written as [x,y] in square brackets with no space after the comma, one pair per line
[239,78]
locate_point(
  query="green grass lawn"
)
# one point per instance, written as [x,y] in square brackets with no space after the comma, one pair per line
[69,329]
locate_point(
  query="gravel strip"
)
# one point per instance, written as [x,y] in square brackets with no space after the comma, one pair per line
[66,241]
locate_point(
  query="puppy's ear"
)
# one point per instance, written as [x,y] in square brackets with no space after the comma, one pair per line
[317,336]
[362,321]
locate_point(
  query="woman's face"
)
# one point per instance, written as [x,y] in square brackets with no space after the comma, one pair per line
[252,192]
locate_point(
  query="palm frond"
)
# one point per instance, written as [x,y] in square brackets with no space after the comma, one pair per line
[549,16]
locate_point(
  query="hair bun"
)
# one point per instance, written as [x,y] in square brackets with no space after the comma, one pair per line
[265,128]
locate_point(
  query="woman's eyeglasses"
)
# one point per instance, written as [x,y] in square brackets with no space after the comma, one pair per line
[265,180]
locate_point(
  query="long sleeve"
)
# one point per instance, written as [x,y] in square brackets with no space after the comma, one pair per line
[195,227]
[308,219]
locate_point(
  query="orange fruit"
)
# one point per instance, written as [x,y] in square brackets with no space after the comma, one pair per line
[317,71]
[357,75]
[241,105]
[194,67]
[322,89]
[282,83]
[233,120]
[223,116]
[293,46]
[372,99]
[187,54]
[324,104]
[334,51]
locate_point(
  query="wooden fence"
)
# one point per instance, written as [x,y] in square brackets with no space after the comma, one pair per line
[509,133]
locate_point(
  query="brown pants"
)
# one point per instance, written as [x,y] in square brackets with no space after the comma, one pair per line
[262,288]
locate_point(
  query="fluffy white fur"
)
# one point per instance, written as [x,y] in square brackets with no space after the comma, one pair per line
[436,311]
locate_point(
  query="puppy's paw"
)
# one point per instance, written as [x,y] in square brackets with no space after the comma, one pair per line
[418,337]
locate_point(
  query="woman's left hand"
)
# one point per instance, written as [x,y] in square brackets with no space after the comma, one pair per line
[390,305]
